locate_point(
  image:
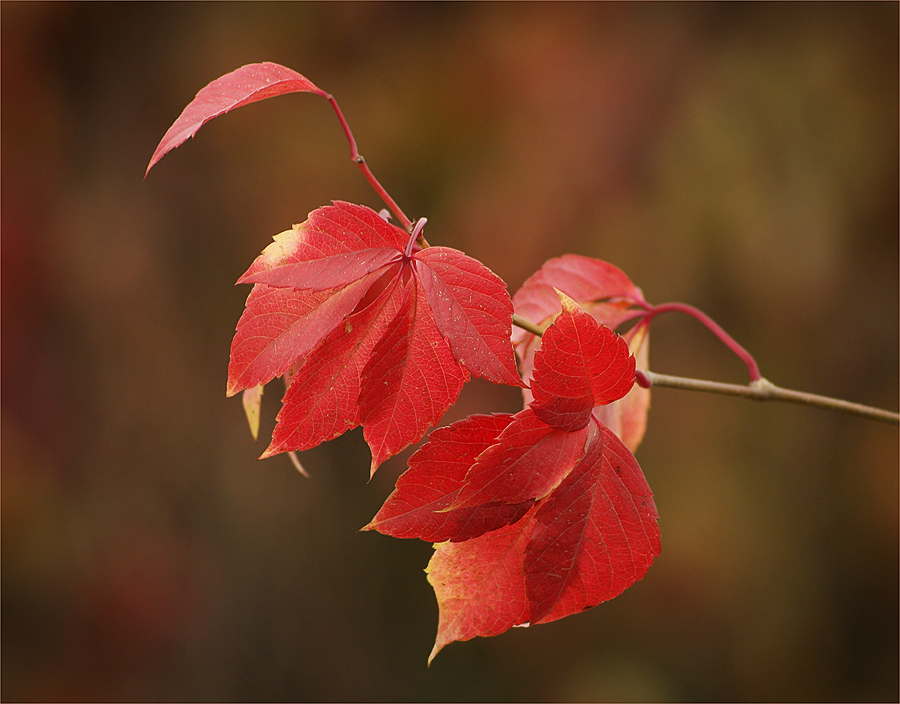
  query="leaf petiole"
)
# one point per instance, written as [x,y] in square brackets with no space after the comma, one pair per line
[360,161]
[732,344]
[415,232]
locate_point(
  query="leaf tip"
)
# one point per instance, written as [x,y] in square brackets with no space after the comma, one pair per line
[434,651]
[252,399]
[567,303]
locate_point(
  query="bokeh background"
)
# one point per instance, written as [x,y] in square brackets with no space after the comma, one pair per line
[741,158]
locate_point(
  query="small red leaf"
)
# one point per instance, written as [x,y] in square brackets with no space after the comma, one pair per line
[606,294]
[583,279]
[417,506]
[472,310]
[627,417]
[581,364]
[246,85]
[480,584]
[528,461]
[594,536]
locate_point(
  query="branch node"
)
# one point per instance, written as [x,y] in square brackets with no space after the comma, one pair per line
[763,389]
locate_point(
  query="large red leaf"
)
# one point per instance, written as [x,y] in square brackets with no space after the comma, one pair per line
[594,536]
[418,324]
[581,364]
[246,85]
[417,508]
[586,542]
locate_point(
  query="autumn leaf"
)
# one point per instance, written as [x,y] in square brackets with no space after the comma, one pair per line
[606,294]
[378,333]
[534,520]
[480,584]
[418,506]
[582,364]
[594,536]
[248,84]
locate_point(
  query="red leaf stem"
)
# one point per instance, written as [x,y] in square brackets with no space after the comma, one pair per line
[732,344]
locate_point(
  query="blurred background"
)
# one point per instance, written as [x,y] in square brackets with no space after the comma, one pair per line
[742,158]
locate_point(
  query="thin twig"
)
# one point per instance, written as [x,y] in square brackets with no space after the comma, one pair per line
[764,390]
[527,325]
[713,326]
[759,390]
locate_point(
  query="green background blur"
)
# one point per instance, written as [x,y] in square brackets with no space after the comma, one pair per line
[741,158]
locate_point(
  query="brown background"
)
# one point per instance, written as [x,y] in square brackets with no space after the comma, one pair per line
[741,158]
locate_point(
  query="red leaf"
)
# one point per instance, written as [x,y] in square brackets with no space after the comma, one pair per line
[590,539]
[280,325]
[472,310]
[583,279]
[529,459]
[417,508]
[389,366]
[246,85]
[412,379]
[480,584]
[581,364]
[627,417]
[335,246]
[605,293]
[594,536]
[322,400]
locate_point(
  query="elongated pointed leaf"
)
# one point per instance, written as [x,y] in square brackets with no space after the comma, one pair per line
[335,246]
[281,325]
[527,462]
[581,364]
[410,380]
[248,84]
[252,400]
[417,506]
